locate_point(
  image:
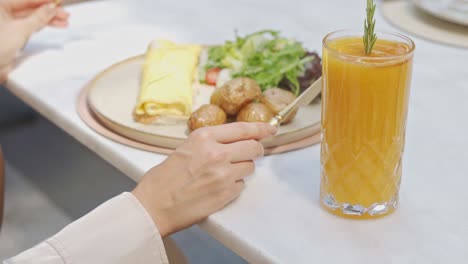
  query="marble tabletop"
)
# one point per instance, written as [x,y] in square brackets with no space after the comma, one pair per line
[277,219]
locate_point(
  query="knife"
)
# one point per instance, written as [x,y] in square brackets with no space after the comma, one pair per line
[304,99]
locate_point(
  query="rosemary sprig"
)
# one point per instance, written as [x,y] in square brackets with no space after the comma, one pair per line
[369,24]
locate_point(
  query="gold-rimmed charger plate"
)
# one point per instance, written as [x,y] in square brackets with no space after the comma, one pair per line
[113,95]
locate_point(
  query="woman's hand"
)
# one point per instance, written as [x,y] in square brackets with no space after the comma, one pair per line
[19,19]
[202,176]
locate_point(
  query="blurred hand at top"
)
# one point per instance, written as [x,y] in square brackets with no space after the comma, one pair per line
[19,19]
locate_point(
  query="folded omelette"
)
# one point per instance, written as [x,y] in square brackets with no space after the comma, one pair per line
[166,84]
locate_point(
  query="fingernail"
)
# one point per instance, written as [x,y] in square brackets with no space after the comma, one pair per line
[51,6]
[272,129]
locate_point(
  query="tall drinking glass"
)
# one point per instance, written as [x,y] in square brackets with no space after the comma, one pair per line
[364,109]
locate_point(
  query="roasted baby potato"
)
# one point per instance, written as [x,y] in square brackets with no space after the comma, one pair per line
[216,97]
[207,115]
[255,112]
[235,94]
[277,99]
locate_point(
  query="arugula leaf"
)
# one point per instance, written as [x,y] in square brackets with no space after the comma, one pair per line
[263,56]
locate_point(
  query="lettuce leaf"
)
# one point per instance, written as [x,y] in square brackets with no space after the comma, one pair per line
[264,56]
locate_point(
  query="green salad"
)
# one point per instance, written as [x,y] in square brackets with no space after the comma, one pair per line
[266,57]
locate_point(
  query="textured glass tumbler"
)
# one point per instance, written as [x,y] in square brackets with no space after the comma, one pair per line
[364,109]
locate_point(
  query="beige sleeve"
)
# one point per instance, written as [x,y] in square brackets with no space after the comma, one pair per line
[119,231]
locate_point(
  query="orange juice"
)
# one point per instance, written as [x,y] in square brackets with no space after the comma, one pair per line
[364,108]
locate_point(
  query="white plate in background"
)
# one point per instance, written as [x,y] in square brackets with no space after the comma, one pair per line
[455,11]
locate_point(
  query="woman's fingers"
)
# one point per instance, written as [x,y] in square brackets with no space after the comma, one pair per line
[238,131]
[61,19]
[61,13]
[242,170]
[16,5]
[225,176]
[37,20]
[58,23]
[227,195]
[244,150]
[219,179]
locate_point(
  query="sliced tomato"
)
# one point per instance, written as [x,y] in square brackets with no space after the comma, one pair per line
[212,76]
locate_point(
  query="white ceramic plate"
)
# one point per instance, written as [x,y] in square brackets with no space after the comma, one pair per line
[455,11]
[113,95]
